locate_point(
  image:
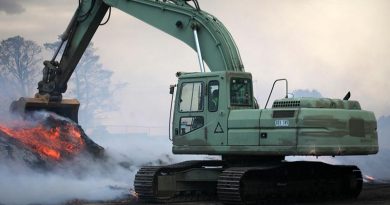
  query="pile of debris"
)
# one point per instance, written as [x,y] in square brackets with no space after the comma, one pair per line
[44,140]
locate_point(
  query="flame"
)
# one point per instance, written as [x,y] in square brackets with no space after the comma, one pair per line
[369,178]
[134,195]
[56,141]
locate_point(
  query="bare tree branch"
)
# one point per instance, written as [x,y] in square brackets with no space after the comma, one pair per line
[19,64]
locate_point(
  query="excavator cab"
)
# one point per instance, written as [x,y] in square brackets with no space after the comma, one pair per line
[66,107]
[202,105]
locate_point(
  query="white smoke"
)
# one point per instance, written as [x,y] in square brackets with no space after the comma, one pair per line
[83,178]
[25,186]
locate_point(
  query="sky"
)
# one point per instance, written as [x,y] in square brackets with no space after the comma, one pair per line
[331,46]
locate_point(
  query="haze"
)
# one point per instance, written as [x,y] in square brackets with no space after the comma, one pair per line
[331,46]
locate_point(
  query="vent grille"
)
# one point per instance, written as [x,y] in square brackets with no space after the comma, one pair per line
[356,127]
[281,104]
[283,113]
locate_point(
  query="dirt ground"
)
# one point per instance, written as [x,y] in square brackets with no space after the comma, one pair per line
[372,194]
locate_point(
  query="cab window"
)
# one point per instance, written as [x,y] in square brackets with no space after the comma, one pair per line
[213,95]
[191,97]
[189,124]
[240,92]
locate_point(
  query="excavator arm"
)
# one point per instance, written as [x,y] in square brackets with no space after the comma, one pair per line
[77,36]
[178,18]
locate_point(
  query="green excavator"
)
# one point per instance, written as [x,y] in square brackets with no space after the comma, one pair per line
[215,113]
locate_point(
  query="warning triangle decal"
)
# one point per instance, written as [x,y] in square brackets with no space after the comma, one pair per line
[218,129]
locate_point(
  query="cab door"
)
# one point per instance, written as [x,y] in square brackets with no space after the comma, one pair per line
[216,125]
[189,116]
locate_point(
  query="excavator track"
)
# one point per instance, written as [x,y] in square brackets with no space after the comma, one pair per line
[229,185]
[143,183]
[146,183]
[288,181]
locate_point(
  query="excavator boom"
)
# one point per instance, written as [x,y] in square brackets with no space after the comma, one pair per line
[198,29]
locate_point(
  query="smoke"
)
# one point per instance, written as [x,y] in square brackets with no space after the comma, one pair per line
[11,7]
[84,177]
[384,132]
[376,165]
[306,93]
[57,186]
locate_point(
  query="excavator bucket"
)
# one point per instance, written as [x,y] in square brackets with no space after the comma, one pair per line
[67,107]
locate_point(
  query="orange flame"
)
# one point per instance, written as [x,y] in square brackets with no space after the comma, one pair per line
[53,142]
[369,178]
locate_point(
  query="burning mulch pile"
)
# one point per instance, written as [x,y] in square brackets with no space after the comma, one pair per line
[44,140]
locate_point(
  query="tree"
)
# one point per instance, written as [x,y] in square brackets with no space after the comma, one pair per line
[91,84]
[19,68]
[19,60]
[20,71]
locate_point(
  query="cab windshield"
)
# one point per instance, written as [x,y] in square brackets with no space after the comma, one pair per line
[240,92]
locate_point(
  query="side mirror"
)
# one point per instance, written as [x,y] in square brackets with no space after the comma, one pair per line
[172,89]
